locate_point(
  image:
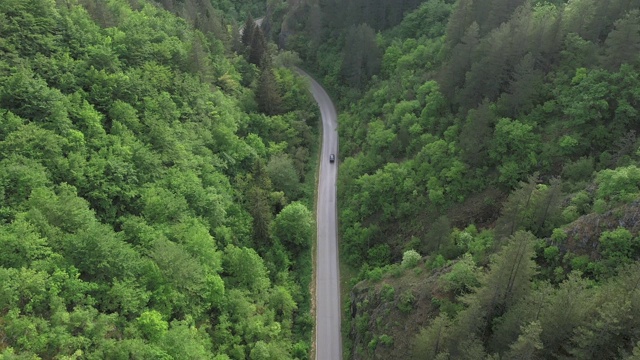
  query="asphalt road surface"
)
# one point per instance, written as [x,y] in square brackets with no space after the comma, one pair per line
[328,335]
[257,21]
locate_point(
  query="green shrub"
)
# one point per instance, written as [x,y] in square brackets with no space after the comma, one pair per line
[375,274]
[373,344]
[300,350]
[578,170]
[395,270]
[618,185]
[463,276]
[406,300]
[379,255]
[580,263]
[437,262]
[558,236]
[462,238]
[410,259]
[582,201]
[151,324]
[570,213]
[559,274]
[480,244]
[448,307]
[618,244]
[362,323]
[388,293]
[385,340]
[551,253]
[600,206]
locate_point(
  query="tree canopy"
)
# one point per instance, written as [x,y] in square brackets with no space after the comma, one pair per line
[133,145]
[487,123]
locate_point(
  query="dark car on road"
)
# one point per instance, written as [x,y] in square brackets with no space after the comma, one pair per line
[332,158]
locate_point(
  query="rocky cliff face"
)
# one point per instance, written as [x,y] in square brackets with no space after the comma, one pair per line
[583,234]
[387,311]
[385,315]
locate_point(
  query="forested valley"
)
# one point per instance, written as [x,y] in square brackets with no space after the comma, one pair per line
[489,182]
[156,183]
[157,174]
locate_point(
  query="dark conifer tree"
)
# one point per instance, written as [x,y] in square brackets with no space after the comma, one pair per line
[513,210]
[459,22]
[489,74]
[258,49]
[476,135]
[314,25]
[500,12]
[99,12]
[361,55]
[236,39]
[547,212]
[519,97]
[258,203]
[198,60]
[267,94]
[452,75]
[623,42]
[247,31]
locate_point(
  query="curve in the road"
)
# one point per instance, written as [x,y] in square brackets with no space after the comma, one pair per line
[257,21]
[328,341]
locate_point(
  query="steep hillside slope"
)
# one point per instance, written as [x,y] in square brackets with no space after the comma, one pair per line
[497,139]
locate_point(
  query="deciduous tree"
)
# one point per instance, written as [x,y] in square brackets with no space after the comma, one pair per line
[293,226]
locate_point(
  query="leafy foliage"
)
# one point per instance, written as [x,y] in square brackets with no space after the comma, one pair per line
[132,159]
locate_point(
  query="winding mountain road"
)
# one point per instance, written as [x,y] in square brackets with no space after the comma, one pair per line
[328,342]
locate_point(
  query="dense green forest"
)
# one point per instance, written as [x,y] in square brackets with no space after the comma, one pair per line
[156,189]
[489,175]
[156,181]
